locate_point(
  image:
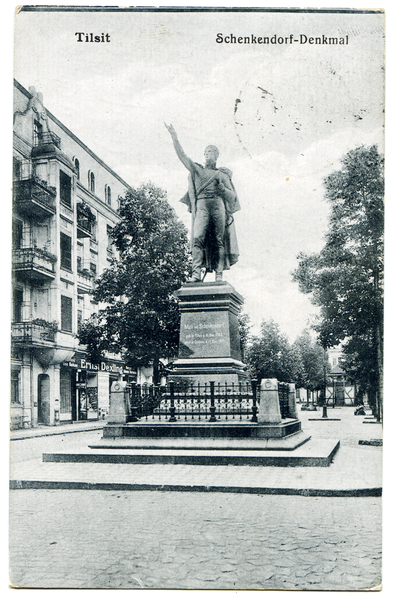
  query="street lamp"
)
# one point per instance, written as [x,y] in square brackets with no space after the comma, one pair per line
[324,406]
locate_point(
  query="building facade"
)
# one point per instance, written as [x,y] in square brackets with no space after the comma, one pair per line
[65,203]
[340,391]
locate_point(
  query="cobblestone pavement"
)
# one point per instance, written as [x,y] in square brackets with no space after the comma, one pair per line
[163,540]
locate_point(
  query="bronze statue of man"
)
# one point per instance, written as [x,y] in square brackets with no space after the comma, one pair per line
[212,200]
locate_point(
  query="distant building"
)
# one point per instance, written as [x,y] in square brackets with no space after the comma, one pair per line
[340,391]
[65,205]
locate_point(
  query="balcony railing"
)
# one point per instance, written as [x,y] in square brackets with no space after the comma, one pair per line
[84,227]
[31,333]
[47,137]
[34,263]
[33,197]
[84,281]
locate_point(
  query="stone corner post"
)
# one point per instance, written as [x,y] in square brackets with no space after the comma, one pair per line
[119,403]
[292,401]
[269,407]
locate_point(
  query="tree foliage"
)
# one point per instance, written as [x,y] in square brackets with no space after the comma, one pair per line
[140,318]
[310,374]
[346,278]
[270,354]
[244,322]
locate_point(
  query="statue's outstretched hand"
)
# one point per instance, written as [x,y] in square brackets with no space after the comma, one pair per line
[171,129]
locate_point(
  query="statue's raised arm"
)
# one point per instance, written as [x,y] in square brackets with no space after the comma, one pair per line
[186,161]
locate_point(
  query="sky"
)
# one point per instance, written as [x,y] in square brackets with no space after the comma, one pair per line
[282,116]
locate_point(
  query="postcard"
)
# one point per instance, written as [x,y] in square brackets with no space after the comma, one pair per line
[197,298]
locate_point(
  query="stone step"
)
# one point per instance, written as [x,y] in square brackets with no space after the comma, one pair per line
[313,454]
[290,442]
[182,429]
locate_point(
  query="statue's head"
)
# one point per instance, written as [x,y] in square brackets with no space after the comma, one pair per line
[211,154]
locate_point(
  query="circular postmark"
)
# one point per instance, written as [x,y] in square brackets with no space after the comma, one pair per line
[289,114]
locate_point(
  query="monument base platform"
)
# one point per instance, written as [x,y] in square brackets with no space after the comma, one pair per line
[218,430]
[289,442]
[311,454]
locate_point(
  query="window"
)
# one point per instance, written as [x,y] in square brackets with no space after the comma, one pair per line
[79,264]
[93,269]
[107,193]
[65,189]
[17,301]
[65,251]
[77,167]
[16,168]
[79,318]
[109,238]
[93,230]
[91,181]
[66,309]
[37,131]
[65,391]
[17,234]
[15,397]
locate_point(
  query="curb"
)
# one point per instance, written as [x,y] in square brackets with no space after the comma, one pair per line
[40,433]
[133,487]
[324,419]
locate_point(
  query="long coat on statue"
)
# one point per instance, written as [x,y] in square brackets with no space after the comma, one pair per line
[232,205]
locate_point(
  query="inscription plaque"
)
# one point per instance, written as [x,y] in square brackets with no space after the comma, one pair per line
[204,335]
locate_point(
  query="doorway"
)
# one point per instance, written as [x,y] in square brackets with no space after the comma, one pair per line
[43,400]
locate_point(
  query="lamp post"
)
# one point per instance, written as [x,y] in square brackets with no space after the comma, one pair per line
[332,380]
[324,406]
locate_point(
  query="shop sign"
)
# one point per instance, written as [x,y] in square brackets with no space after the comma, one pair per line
[104,366]
[71,363]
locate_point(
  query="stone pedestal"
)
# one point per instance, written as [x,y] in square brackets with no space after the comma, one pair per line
[269,407]
[209,347]
[119,396]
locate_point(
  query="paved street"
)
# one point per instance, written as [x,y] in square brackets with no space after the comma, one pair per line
[210,541]
[163,539]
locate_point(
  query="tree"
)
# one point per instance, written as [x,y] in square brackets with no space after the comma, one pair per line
[244,331]
[346,278]
[270,354]
[141,317]
[312,358]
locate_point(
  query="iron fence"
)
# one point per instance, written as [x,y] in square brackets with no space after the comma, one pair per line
[283,396]
[176,402]
[201,402]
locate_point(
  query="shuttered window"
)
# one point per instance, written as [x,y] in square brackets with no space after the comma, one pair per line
[15,396]
[65,188]
[17,301]
[65,251]
[65,391]
[66,306]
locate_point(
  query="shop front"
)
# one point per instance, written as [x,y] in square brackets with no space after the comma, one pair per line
[88,388]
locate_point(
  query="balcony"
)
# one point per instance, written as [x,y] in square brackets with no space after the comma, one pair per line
[33,263]
[33,197]
[84,281]
[47,137]
[28,333]
[85,220]
[84,227]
